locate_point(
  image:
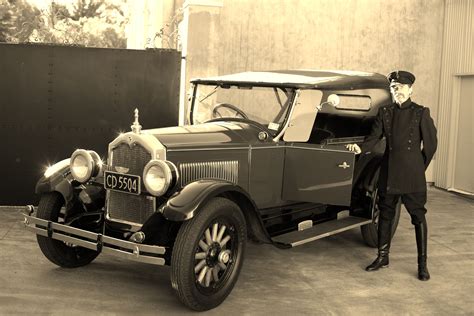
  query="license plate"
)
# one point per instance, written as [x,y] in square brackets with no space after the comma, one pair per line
[122,182]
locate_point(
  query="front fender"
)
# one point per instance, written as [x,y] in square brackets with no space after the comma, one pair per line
[59,180]
[184,204]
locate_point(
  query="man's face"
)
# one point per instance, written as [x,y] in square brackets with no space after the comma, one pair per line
[400,92]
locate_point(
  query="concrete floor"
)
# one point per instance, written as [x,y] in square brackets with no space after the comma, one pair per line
[325,277]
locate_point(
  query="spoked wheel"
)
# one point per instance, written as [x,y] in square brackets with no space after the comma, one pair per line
[58,252]
[208,255]
[369,231]
[215,255]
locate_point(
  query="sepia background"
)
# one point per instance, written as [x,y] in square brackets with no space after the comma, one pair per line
[431,38]
[434,39]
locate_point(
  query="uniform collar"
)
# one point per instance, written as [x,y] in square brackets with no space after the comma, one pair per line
[404,105]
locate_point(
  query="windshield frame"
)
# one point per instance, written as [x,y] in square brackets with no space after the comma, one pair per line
[276,134]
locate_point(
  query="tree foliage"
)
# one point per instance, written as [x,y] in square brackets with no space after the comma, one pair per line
[92,23]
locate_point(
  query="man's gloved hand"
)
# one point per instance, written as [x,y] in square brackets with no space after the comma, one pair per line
[354,147]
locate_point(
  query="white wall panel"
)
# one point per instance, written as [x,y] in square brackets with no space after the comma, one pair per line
[457,61]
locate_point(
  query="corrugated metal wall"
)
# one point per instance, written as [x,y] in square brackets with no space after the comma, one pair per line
[54,99]
[457,60]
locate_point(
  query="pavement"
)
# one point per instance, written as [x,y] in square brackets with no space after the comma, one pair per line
[325,277]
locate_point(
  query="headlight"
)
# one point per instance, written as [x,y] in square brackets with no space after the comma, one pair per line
[159,176]
[85,164]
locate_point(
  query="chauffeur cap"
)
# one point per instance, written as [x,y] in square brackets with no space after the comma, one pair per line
[401,76]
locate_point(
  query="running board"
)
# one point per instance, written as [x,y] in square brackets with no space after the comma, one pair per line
[296,238]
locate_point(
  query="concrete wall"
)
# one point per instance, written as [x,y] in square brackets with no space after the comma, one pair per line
[225,36]
[370,35]
[146,19]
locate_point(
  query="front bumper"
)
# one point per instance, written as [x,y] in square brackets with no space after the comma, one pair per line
[97,242]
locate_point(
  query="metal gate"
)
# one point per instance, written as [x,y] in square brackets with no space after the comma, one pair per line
[54,99]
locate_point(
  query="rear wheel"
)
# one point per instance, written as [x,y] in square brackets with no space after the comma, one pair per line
[64,255]
[208,255]
[369,231]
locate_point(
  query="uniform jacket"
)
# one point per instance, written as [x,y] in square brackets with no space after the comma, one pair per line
[409,148]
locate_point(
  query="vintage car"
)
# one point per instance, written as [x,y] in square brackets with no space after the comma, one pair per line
[263,157]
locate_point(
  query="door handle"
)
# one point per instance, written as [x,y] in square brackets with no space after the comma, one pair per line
[344,165]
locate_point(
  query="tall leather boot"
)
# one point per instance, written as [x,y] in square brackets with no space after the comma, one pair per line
[384,235]
[421,231]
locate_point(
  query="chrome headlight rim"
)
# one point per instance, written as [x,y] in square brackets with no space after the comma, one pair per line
[170,176]
[93,162]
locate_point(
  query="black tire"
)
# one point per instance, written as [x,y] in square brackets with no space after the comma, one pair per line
[184,279]
[369,231]
[56,251]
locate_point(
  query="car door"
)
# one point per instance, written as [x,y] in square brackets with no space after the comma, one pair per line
[314,173]
[319,175]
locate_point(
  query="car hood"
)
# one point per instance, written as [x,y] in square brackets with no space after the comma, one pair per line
[206,135]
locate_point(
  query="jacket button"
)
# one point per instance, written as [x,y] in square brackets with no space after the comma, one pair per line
[408,148]
[409,141]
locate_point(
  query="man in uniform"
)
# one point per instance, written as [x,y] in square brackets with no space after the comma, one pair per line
[405,126]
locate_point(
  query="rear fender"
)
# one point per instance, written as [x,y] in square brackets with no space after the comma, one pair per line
[370,182]
[370,173]
[367,168]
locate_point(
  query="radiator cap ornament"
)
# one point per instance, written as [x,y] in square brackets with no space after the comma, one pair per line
[136,127]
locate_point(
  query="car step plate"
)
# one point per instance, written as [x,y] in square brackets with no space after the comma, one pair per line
[318,231]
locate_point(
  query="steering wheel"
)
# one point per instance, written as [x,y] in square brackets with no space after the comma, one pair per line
[238,112]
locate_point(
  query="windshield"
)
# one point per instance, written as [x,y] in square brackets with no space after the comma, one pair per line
[264,105]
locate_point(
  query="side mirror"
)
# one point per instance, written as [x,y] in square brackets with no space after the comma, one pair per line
[333,100]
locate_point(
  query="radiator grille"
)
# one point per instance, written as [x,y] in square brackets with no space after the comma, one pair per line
[222,170]
[134,158]
[129,207]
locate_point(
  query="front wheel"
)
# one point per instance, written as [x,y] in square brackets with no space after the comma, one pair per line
[369,231]
[58,252]
[208,255]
